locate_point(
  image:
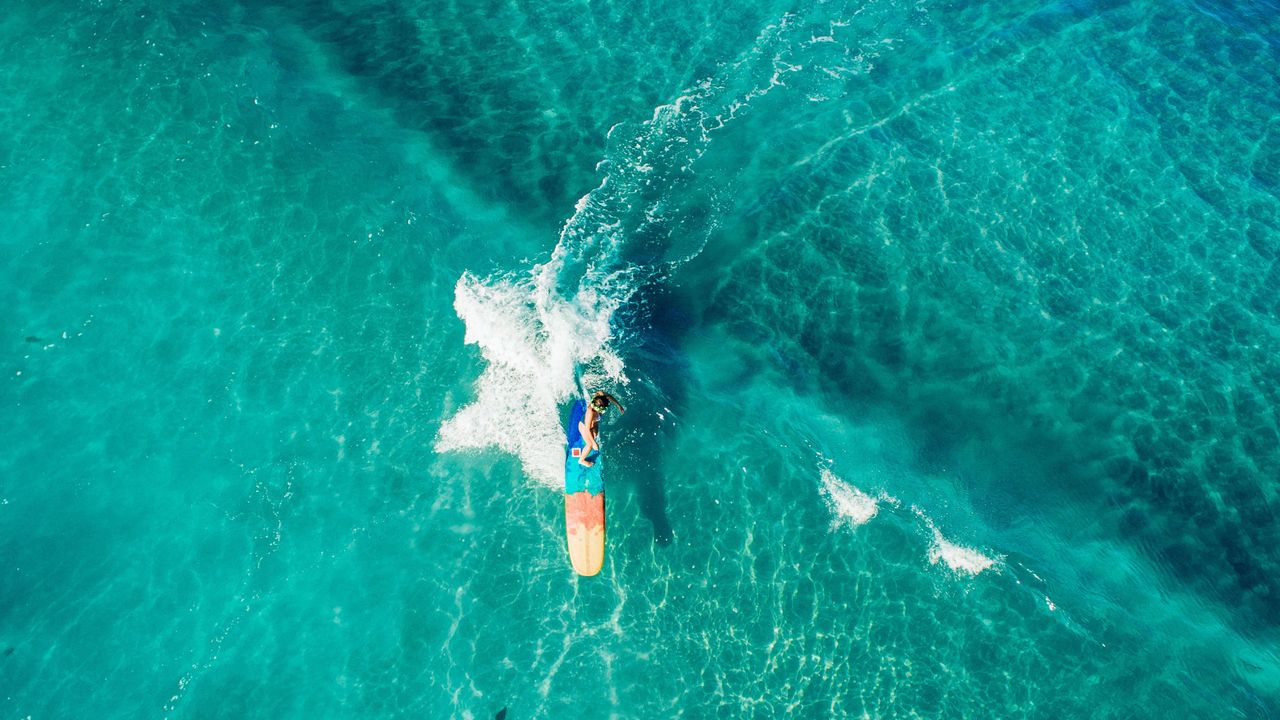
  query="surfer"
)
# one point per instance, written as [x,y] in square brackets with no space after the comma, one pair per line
[590,425]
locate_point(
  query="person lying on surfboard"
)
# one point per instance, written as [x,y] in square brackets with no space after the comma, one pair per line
[590,425]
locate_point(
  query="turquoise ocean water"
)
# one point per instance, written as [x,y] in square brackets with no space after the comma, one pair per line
[949,335]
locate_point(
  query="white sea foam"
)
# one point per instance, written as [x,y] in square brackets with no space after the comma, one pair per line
[850,506]
[961,559]
[545,333]
[531,349]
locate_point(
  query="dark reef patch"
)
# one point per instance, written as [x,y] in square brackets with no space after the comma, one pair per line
[518,104]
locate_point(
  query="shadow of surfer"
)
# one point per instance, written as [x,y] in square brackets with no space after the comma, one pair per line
[646,450]
[664,375]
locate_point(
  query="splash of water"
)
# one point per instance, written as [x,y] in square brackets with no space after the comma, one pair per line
[962,560]
[850,507]
[552,332]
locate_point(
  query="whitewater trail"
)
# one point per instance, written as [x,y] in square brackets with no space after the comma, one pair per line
[850,508]
[549,333]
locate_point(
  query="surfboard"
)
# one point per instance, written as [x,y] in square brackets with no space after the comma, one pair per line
[583,500]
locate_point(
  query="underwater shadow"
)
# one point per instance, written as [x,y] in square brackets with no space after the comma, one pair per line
[455,75]
[661,396]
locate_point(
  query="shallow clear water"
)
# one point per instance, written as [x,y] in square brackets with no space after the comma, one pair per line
[947,334]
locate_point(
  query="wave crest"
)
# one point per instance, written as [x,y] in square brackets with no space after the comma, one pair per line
[960,559]
[550,333]
[850,507]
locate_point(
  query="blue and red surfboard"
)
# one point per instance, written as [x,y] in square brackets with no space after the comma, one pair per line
[583,499]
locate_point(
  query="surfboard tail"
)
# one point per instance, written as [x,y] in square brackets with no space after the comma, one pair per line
[584,528]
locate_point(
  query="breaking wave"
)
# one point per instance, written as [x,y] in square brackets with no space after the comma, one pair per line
[960,559]
[850,507]
[552,332]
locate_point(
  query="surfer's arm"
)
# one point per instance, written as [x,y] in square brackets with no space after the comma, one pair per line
[614,400]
